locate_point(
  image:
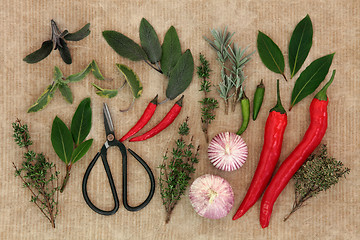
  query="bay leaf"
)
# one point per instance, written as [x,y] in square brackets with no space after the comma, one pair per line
[66,92]
[61,140]
[81,150]
[44,99]
[132,79]
[81,121]
[181,76]
[124,46]
[300,44]
[171,51]
[81,34]
[41,53]
[311,78]
[270,54]
[150,41]
[106,93]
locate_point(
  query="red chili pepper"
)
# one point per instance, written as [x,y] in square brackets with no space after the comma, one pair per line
[144,119]
[273,138]
[311,139]
[167,120]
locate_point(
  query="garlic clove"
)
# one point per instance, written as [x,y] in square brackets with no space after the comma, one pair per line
[211,196]
[227,151]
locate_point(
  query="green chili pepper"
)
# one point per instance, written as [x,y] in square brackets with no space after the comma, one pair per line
[245,110]
[258,99]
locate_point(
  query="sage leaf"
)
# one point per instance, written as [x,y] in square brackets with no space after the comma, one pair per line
[150,41]
[132,79]
[81,75]
[61,140]
[311,78]
[81,150]
[96,71]
[106,93]
[44,99]
[41,53]
[300,44]
[171,51]
[81,34]
[181,75]
[64,52]
[81,121]
[270,54]
[66,92]
[124,46]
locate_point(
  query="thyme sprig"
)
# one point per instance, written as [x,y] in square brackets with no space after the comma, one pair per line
[317,174]
[208,104]
[176,169]
[37,174]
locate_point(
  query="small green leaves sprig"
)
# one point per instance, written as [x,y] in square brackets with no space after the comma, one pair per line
[58,39]
[37,174]
[70,145]
[62,83]
[232,76]
[175,170]
[167,58]
[317,174]
[299,48]
[208,104]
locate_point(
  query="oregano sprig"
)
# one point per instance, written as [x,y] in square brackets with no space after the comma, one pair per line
[37,174]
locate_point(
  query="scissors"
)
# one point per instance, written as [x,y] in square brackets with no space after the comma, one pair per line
[111,141]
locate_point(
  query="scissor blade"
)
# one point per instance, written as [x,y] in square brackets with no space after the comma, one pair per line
[109,127]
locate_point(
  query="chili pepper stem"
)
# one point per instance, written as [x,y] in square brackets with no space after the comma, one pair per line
[278,107]
[321,95]
[66,178]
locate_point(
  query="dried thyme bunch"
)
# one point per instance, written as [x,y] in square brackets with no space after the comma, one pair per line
[176,169]
[317,174]
[38,175]
[208,104]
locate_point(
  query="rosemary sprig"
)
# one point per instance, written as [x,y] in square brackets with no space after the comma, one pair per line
[317,174]
[208,104]
[176,169]
[38,175]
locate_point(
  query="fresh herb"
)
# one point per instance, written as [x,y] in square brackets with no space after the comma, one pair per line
[58,39]
[70,145]
[176,169]
[208,104]
[232,76]
[317,174]
[62,83]
[38,175]
[167,59]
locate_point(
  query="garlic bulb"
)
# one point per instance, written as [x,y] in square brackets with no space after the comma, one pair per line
[227,151]
[211,196]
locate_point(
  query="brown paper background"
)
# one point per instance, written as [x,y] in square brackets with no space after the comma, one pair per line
[25,24]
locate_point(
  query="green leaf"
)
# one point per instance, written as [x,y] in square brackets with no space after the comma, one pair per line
[300,44]
[64,52]
[81,121]
[41,53]
[132,79]
[171,51]
[81,150]
[81,75]
[270,54]
[61,140]
[58,75]
[181,75]
[106,93]
[150,41]
[44,99]
[66,92]
[124,46]
[96,71]
[81,34]
[311,78]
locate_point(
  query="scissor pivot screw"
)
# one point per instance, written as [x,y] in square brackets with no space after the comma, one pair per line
[110,137]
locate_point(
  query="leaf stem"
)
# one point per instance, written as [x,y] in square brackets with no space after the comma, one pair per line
[66,178]
[159,70]
[284,76]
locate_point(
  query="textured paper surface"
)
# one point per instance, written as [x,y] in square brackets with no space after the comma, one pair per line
[26,24]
